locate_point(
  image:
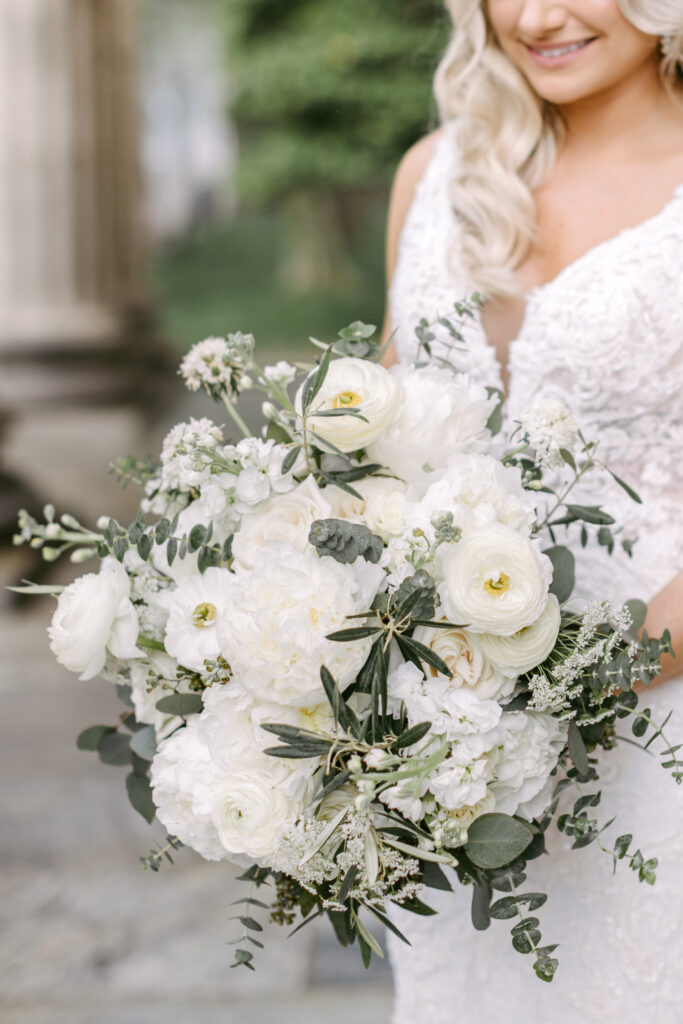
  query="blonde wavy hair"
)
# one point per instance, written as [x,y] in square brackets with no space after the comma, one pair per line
[509,137]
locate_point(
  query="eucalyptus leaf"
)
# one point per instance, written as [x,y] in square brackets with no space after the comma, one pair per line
[144,743]
[563,572]
[495,840]
[577,750]
[90,738]
[140,795]
[182,704]
[114,748]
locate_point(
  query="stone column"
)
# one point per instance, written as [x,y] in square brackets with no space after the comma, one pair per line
[71,307]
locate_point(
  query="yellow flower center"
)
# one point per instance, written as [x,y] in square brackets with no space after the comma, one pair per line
[345,399]
[204,615]
[499,586]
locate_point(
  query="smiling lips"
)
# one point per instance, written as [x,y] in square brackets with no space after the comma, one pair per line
[557,54]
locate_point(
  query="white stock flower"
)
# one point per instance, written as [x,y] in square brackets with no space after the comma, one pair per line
[285,518]
[94,615]
[465,656]
[438,414]
[549,427]
[196,609]
[182,467]
[261,473]
[527,648]
[352,384]
[454,712]
[532,743]
[277,617]
[462,779]
[282,373]
[495,581]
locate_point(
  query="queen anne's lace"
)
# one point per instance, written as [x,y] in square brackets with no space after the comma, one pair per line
[606,337]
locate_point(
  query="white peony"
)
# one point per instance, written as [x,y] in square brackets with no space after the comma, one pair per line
[495,581]
[532,743]
[278,613]
[478,490]
[438,414]
[527,648]
[286,518]
[466,657]
[352,384]
[195,610]
[94,615]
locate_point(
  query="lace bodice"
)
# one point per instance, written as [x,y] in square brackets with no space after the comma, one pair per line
[606,336]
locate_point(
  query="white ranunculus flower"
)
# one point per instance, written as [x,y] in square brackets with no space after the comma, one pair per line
[285,518]
[478,490]
[495,581]
[279,611]
[438,414]
[94,615]
[466,658]
[532,743]
[252,808]
[195,610]
[353,384]
[527,648]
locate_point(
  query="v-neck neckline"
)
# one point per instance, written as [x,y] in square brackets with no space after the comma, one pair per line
[537,291]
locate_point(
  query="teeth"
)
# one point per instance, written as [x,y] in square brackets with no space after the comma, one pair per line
[561,51]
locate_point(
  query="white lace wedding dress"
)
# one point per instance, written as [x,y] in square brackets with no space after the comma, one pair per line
[607,336]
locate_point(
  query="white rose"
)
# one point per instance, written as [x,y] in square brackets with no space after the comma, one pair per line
[279,612]
[251,810]
[438,414]
[495,581]
[466,657]
[352,384]
[94,615]
[532,744]
[195,610]
[286,518]
[527,648]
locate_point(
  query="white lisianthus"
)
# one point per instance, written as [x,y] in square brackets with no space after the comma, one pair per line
[352,384]
[438,414]
[495,581]
[273,630]
[549,427]
[182,466]
[532,743]
[252,808]
[527,648]
[94,615]
[466,657]
[478,490]
[195,610]
[286,518]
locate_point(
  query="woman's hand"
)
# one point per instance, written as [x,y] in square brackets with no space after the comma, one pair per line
[665,611]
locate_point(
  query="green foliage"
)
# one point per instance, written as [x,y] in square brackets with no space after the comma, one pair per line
[495,840]
[344,541]
[330,95]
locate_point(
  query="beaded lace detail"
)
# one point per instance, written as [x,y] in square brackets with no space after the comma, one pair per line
[606,336]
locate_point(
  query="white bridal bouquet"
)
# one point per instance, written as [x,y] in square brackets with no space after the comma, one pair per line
[350,660]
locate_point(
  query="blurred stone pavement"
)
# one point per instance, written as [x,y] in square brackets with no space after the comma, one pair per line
[88,936]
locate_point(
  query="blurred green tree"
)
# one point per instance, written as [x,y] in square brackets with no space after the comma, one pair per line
[328,95]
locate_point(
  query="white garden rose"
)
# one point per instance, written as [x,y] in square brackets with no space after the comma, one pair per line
[286,518]
[95,615]
[438,414]
[527,648]
[278,614]
[467,660]
[252,808]
[352,384]
[495,581]
[195,610]
[531,745]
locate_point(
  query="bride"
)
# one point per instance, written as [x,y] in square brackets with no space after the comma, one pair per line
[555,189]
